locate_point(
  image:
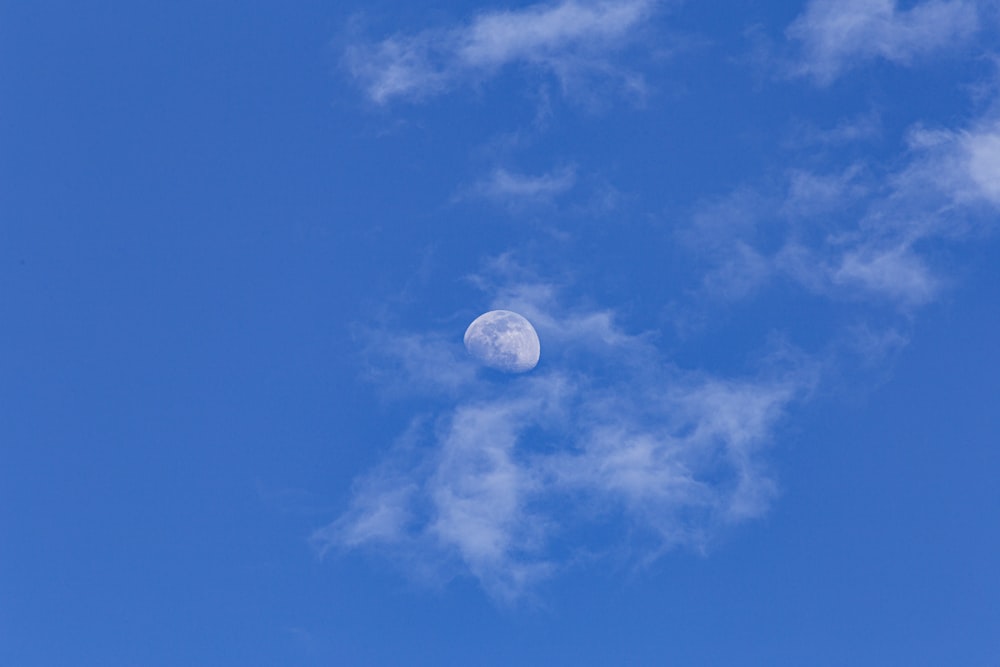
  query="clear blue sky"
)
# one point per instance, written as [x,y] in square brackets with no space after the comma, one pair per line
[240,243]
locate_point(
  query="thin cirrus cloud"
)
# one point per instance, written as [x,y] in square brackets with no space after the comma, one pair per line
[508,187]
[895,272]
[983,151]
[500,483]
[836,35]
[569,39]
[841,257]
[862,127]
[855,233]
[963,165]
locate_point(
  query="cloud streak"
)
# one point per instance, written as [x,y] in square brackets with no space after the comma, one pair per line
[837,35]
[515,189]
[855,234]
[571,39]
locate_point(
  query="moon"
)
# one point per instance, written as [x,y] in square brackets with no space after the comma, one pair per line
[503,340]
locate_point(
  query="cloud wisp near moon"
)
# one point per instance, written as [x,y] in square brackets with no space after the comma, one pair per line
[605,450]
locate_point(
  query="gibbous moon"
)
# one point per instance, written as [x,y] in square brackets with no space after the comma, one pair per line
[503,340]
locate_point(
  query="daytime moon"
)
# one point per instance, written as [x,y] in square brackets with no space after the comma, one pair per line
[503,340]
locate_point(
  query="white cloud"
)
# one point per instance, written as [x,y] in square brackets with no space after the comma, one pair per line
[983,165]
[541,31]
[952,170]
[570,39]
[409,363]
[816,235]
[810,194]
[863,127]
[855,233]
[499,483]
[740,271]
[873,346]
[503,186]
[896,273]
[581,328]
[836,35]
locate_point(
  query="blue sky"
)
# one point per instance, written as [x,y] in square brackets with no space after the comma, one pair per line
[240,244]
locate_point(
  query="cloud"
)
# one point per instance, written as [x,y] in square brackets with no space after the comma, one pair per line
[811,237]
[854,233]
[872,346]
[511,188]
[962,165]
[895,272]
[569,39]
[836,35]
[863,127]
[810,194]
[404,363]
[605,449]
[983,163]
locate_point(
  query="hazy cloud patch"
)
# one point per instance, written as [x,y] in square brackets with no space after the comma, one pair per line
[836,35]
[855,233]
[866,126]
[895,272]
[513,189]
[983,152]
[572,40]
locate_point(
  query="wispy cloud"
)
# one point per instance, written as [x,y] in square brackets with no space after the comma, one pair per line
[983,155]
[516,189]
[404,363]
[863,127]
[849,261]
[963,165]
[605,433]
[571,39]
[894,272]
[855,233]
[836,35]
